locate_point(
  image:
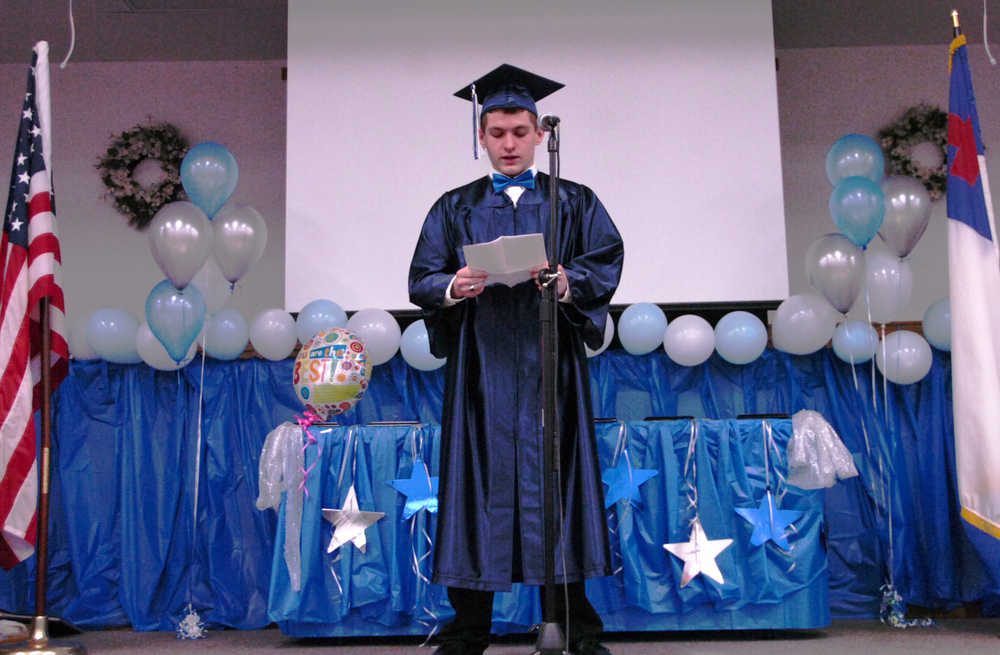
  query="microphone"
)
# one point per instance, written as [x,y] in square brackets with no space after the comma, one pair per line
[548,121]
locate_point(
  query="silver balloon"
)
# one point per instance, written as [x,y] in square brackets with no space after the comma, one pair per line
[907,213]
[240,237]
[180,239]
[835,267]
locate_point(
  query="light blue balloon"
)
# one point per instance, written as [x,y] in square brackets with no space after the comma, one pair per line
[227,334]
[740,337]
[111,334]
[209,174]
[641,328]
[855,341]
[415,347]
[937,324]
[317,316]
[854,154]
[857,206]
[175,317]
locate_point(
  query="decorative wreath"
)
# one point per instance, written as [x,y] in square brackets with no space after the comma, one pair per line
[158,143]
[919,124]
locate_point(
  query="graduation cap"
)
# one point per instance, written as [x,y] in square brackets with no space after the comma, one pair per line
[505,87]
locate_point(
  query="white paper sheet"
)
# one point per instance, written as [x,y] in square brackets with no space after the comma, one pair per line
[509,259]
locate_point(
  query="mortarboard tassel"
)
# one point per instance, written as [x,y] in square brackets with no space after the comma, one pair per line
[475,124]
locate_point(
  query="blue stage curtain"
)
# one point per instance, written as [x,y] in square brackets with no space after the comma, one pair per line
[123,552]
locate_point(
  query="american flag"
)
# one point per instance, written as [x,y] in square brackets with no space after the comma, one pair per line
[30,256]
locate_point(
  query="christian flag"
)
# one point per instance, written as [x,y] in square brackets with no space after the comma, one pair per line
[29,253]
[974,271]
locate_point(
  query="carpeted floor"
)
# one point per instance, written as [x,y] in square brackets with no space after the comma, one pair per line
[947,637]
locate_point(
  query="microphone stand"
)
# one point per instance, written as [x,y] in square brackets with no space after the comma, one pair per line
[550,640]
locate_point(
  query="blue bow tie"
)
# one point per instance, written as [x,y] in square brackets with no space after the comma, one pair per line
[525,179]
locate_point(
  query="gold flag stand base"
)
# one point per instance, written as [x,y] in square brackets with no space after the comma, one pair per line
[40,644]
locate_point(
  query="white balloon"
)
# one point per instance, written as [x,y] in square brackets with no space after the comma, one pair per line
[740,337]
[180,239]
[689,340]
[272,334]
[227,334]
[803,324]
[415,347]
[154,354]
[906,358]
[378,330]
[111,334]
[641,327]
[937,324]
[79,347]
[855,342]
[609,334]
[889,281]
[216,290]
[240,238]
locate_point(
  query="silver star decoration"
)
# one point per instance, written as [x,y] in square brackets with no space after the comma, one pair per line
[350,523]
[699,554]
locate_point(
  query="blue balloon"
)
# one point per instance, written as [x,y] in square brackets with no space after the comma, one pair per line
[227,334]
[641,328]
[175,317]
[415,347]
[111,334]
[317,316]
[855,341]
[854,154]
[857,206]
[209,174]
[937,324]
[740,337]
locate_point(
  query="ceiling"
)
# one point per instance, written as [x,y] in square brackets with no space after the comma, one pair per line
[170,30]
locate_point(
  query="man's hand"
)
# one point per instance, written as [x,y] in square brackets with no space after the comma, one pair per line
[469,283]
[561,283]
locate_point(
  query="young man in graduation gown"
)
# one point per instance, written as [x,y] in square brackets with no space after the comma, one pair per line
[489,530]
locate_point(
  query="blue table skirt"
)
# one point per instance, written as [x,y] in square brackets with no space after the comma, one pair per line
[385,590]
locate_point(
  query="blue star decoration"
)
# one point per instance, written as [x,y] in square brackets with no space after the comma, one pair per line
[623,481]
[420,490]
[769,523]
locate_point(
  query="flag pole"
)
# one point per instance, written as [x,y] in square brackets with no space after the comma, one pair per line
[38,643]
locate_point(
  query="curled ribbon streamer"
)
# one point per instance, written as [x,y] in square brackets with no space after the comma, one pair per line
[417,564]
[691,462]
[416,561]
[340,479]
[612,517]
[305,421]
[336,577]
[622,442]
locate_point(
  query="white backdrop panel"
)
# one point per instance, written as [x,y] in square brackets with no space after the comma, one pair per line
[669,113]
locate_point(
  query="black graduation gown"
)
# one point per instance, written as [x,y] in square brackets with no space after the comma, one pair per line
[489,530]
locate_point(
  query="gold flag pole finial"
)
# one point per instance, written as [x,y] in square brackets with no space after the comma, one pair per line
[954,18]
